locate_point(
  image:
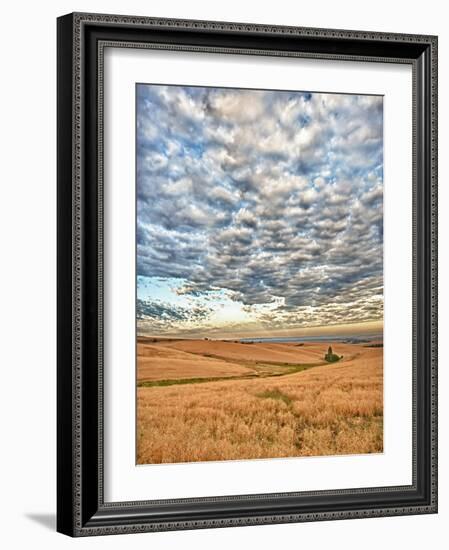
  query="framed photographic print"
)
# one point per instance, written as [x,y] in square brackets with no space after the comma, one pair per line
[247,284]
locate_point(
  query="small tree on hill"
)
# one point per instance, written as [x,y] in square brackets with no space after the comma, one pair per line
[330,356]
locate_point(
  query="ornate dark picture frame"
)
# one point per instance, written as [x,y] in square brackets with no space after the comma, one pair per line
[81,510]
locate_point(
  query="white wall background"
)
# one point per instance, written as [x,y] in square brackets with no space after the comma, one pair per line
[27,273]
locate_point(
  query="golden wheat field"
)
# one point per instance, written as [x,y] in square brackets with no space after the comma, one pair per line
[200,400]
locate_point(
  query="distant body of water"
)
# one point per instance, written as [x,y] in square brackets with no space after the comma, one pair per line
[354,338]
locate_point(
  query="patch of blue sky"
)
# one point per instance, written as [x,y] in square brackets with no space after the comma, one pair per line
[158,288]
[170,290]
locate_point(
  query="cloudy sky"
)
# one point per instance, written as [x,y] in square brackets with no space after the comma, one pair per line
[259,213]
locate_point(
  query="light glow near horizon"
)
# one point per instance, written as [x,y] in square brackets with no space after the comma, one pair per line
[259,213]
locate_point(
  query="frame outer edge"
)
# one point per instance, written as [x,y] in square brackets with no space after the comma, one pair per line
[434,270]
[69,522]
[65,272]
[233,26]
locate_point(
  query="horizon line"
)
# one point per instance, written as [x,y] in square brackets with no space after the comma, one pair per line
[337,330]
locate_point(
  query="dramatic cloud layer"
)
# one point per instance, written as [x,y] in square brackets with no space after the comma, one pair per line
[264,206]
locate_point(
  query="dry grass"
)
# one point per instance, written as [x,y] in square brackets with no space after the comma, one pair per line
[266,352]
[326,410]
[161,363]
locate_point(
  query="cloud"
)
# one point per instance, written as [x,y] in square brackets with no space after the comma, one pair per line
[157,316]
[275,197]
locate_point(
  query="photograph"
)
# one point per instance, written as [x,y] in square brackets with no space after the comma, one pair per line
[247,276]
[259,273]
[222,279]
